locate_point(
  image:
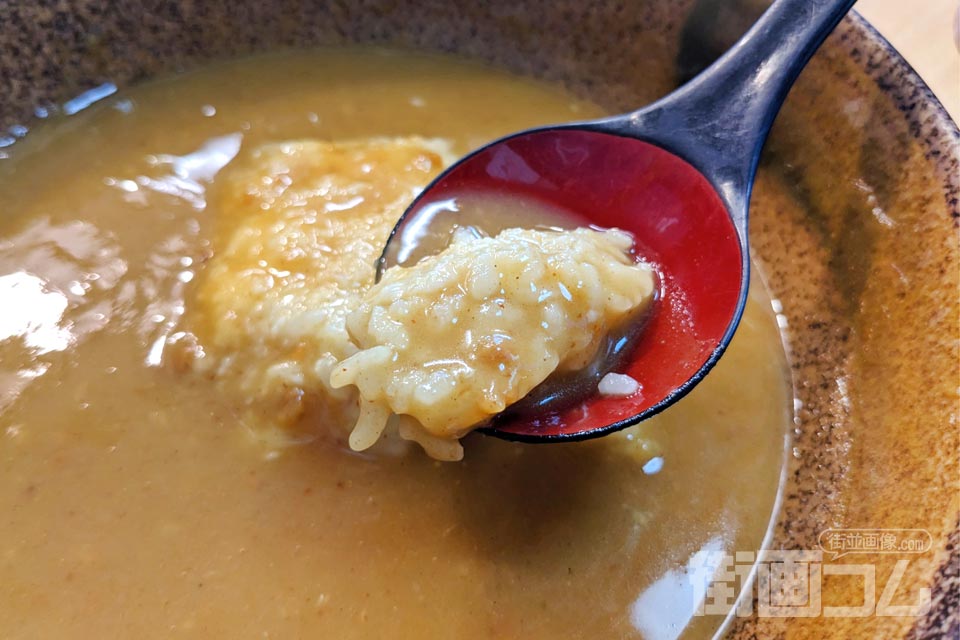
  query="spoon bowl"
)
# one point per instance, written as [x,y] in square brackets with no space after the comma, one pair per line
[681,227]
[677,175]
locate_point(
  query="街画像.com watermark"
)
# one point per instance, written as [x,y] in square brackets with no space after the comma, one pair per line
[789,583]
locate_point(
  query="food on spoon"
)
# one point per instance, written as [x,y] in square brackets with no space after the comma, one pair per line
[464,334]
[618,385]
[288,319]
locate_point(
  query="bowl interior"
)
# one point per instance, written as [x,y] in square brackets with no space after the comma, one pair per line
[854,219]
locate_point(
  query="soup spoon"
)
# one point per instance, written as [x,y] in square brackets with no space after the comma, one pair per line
[677,174]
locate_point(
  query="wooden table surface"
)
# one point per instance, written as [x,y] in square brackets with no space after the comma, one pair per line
[925,33]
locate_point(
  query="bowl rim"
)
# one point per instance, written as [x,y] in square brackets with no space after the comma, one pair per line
[912,77]
[936,130]
[941,132]
[912,74]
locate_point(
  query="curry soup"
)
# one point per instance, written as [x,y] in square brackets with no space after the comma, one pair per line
[141,500]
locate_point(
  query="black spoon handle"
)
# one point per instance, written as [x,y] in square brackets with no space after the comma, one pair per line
[719,120]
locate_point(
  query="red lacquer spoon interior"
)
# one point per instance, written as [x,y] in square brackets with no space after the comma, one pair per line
[677,175]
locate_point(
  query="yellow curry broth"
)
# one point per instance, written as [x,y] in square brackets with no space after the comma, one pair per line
[133,500]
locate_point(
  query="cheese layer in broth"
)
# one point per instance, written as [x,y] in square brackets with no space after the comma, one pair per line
[300,225]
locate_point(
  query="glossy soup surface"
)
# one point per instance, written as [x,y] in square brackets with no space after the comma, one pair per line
[134,501]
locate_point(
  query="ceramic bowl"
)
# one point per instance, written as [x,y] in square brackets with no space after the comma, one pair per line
[854,224]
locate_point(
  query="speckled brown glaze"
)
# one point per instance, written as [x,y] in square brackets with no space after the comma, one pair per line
[855,220]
